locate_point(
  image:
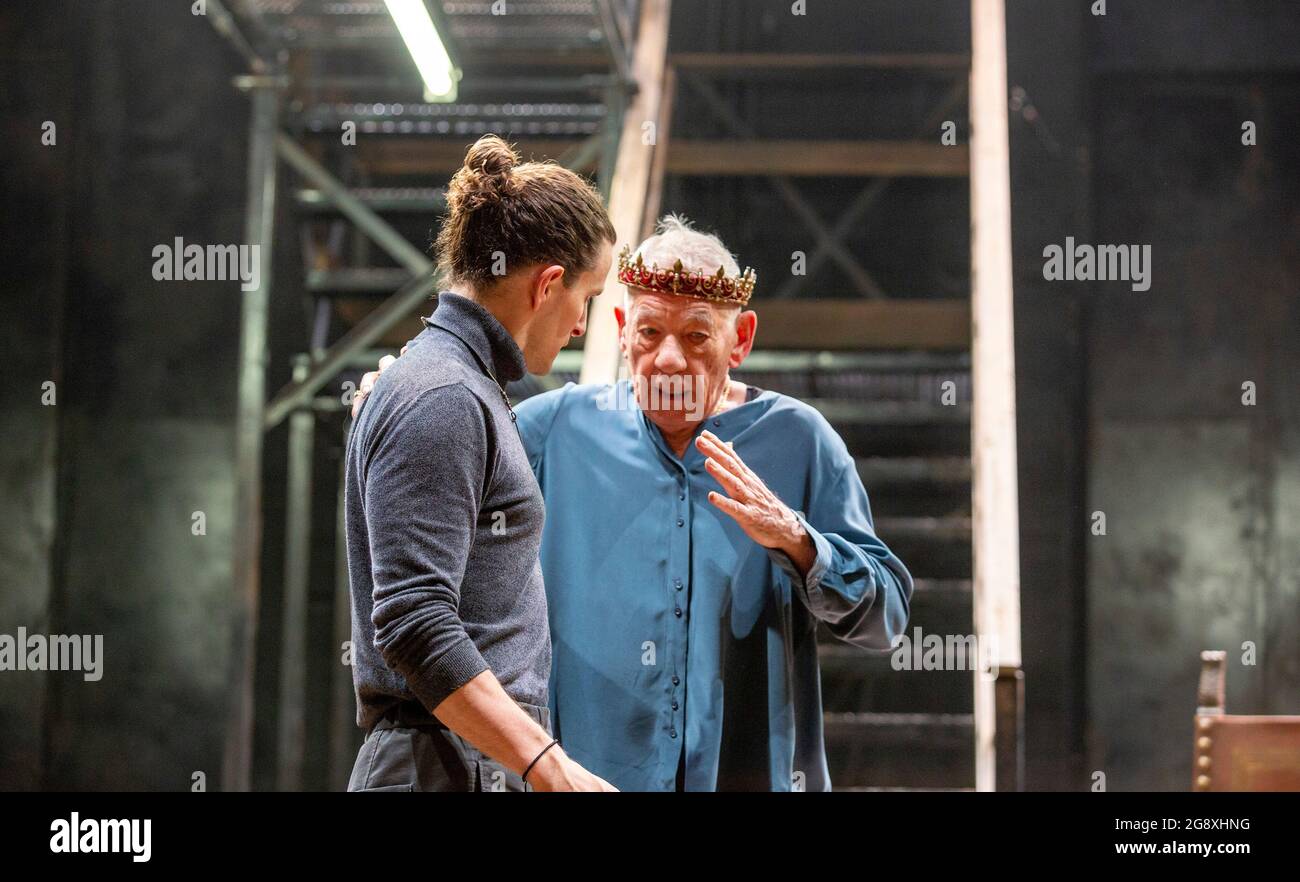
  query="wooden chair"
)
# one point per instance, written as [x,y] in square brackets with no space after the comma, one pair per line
[1240,752]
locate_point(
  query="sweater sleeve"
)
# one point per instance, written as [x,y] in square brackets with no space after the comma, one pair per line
[424,485]
[857,586]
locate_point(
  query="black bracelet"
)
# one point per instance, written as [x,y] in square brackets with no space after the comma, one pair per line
[524,777]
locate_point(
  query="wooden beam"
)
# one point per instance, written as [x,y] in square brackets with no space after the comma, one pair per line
[994,494]
[632,183]
[817,158]
[659,163]
[781,62]
[863,324]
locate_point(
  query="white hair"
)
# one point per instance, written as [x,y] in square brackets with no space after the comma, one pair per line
[675,239]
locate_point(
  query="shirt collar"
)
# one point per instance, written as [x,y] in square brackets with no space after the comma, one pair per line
[485,336]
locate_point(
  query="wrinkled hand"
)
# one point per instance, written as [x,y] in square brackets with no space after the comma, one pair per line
[368,382]
[759,512]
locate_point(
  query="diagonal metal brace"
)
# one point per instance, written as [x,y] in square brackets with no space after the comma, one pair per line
[392,311]
[224,23]
[352,208]
[869,196]
[358,338]
[862,280]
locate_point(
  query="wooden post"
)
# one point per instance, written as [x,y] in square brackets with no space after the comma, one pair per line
[995,500]
[631,184]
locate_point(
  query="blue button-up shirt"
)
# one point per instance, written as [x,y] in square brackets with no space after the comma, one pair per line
[673,632]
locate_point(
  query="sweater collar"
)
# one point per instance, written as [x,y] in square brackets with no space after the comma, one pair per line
[485,336]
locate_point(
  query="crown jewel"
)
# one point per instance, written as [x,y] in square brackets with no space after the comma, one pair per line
[718,287]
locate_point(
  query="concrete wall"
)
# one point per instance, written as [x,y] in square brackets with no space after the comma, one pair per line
[143,419]
[36,90]
[1046,58]
[1201,492]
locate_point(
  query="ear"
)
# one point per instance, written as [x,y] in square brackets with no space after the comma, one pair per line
[545,284]
[621,317]
[746,328]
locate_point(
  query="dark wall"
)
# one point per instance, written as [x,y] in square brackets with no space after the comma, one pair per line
[142,425]
[1130,403]
[1201,490]
[1049,135]
[34,209]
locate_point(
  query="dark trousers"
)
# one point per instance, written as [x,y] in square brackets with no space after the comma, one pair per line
[410,750]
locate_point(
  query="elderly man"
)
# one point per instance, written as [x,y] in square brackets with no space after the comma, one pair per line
[697,530]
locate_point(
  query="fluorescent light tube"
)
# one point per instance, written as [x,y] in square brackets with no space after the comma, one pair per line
[426,48]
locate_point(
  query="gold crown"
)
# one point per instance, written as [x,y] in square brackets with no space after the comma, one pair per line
[718,287]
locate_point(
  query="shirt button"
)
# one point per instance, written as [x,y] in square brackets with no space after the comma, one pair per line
[678,612]
[717,423]
[681,496]
[677,583]
[680,522]
[674,704]
[676,681]
[672,733]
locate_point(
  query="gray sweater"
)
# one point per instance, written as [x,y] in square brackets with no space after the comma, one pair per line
[444,520]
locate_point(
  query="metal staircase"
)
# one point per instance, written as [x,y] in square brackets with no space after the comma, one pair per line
[888,728]
[576,80]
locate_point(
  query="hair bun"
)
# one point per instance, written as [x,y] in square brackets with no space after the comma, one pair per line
[485,176]
[491,156]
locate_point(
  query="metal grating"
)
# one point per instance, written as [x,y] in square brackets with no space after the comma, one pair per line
[535,25]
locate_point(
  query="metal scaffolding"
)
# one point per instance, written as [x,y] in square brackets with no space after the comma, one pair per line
[555,76]
[576,81]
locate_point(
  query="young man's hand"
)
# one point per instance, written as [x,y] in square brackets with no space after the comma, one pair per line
[556,772]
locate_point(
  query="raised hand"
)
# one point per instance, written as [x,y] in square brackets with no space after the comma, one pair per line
[759,512]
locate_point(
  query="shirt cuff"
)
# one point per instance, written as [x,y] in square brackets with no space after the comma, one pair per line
[810,585]
[441,677]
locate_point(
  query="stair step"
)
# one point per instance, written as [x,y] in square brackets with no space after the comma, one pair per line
[893,413]
[924,324]
[951,528]
[942,588]
[824,361]
[939,730]
[890,470]
[931,548]
[903,789]
[856,681]
[900,750]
